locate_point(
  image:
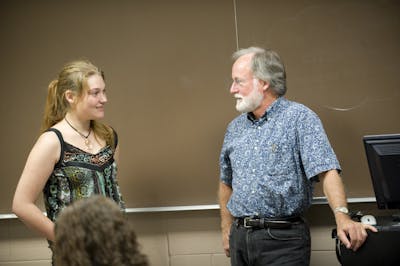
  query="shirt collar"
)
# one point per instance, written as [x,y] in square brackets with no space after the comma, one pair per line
[268,113]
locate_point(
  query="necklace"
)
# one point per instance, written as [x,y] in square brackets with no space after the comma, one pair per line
[87,141]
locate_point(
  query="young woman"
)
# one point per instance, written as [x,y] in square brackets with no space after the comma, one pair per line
[75,156]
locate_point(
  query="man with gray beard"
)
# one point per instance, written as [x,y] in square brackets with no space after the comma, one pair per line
[271,156]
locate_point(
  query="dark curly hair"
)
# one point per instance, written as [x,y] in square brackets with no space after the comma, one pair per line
[94,231]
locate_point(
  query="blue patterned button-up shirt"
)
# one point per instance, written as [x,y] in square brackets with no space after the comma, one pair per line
[270,162]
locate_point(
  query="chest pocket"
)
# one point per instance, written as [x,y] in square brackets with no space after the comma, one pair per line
[278,159]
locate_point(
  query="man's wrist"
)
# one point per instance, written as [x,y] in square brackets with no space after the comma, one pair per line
[341,209]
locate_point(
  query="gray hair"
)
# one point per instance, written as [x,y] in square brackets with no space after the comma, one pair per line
[266,65]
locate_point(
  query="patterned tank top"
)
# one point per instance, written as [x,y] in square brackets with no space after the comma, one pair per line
[79,174]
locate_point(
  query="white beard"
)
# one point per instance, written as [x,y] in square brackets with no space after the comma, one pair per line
[250,102]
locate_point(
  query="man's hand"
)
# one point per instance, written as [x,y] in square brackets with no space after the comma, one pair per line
[352,234]
[225,243]
[225,192]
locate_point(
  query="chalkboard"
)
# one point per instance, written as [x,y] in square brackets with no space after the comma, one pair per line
[167,66]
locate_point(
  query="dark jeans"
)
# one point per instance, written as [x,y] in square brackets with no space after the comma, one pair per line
[260,247]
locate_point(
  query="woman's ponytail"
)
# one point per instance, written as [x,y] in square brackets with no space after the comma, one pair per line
[54,111]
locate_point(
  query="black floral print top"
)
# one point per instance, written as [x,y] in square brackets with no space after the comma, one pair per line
[78,175]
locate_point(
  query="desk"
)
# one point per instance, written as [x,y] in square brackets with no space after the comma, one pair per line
[380,249]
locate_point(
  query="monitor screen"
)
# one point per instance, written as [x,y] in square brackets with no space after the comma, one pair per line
[383,155]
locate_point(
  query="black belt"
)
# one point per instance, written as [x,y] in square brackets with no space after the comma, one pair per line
[262,223]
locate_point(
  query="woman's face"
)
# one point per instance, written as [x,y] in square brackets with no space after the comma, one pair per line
[91,105]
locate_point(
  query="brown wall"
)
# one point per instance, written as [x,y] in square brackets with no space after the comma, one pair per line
[167,66]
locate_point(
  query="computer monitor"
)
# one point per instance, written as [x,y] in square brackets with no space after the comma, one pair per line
[383,155]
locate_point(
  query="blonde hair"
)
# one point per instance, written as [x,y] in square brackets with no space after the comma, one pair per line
[94,231]
[73,77]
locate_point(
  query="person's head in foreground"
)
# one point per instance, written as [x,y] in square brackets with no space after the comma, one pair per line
[94,231]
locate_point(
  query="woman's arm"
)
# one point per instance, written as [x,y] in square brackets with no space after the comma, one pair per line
[39,165]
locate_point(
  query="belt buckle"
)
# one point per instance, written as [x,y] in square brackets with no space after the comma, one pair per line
[245,220]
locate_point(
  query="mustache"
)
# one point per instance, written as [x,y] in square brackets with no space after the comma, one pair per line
[238,96]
